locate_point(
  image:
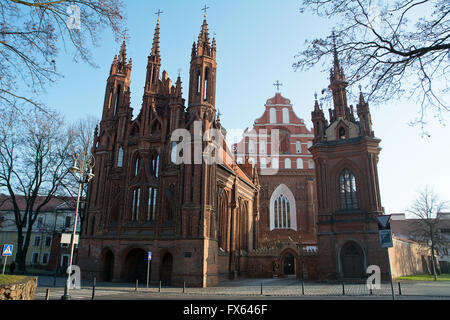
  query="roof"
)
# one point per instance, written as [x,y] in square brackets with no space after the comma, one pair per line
[229,162]
[56,203]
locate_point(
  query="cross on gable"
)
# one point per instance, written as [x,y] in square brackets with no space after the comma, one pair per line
[278,84]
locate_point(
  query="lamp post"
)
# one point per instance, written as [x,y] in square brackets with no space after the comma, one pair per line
[82,175]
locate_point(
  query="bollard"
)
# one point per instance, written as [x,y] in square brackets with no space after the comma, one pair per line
[399,289]
[303,287]
[47,295]
[371,292]
[93,289]
[184,286]
[343,288]
[137,284]
[159,286]
[261,288]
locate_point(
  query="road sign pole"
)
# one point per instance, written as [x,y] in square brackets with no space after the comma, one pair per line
[4,264]
[390,274]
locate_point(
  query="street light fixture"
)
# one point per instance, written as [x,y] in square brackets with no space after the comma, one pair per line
[82,175]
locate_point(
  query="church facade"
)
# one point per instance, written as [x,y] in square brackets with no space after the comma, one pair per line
[197,219]
[285,201]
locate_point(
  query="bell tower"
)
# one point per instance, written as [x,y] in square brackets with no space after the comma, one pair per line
[346,153]
[117,94]
[202,84]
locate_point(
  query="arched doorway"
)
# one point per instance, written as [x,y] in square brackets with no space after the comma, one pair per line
[166,269]
[288,265]
[108,266]
[352,261]
[136,266]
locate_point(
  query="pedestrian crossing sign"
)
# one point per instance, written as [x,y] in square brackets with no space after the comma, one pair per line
[7,250]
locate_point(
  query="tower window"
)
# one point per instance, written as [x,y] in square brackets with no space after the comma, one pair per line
[116,104]
[347,189]
[282,209]
[199,78]
[205,89]
[287,164]
[299,163]
[136,166]
[120,158]
[342,133]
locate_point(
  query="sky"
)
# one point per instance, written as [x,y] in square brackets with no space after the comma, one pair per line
[257,41]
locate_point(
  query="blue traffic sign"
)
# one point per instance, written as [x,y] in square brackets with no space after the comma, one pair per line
[7,250]
[149,255]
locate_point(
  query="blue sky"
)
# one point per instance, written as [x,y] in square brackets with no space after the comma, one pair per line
[257,41]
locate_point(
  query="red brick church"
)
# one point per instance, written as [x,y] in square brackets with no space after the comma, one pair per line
[307,210]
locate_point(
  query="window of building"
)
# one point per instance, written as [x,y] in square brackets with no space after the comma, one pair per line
[35,258]
[282,209]
[48,241]
[155,165]
[151,205]
[251,146]
[311,164]
[120,158]
[263,163]
[263,147]
[275,164]
[298,147]
[136,166]
[287,164]
[40,222]
[37,241]
[299,163]
[286,115]
[347,189]
[45,258]
[310,144]
[68,221]
[273,115]
[135,204]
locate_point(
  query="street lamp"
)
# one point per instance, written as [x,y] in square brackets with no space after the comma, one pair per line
[82,175]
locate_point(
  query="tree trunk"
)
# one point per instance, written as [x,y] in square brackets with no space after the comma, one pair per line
[433,262]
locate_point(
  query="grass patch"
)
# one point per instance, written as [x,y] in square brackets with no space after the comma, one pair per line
[7,279]
[425,277]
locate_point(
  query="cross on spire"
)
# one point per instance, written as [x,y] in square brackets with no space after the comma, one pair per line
[278,84]
[205,8]
[159,13]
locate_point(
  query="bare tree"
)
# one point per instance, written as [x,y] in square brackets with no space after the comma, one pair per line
[31,32]
[34,159]
[426,228]
[392,48]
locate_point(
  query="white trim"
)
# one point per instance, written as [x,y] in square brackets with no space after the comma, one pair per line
[282,189]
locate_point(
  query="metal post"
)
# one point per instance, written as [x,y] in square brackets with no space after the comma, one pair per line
[261,288]
[66,295]
[4,264]
[343,288]
[184,286]
[160,286]
[390,274]
[137,284]
[148,269]
[399,289]
[303,287]
[93,289]
[47,294]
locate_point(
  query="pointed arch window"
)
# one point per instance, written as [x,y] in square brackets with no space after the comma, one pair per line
[347,190]
[151,205]
[120,158]
[135,204]
[282,212]
[155,165]
[116,104]
[283,209]
[136,166]
[205,88]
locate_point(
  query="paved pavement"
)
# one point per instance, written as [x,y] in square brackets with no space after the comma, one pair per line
[250,289]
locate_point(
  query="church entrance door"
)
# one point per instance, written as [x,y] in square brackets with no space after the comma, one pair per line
[289,264]
[166,269]
[352,259]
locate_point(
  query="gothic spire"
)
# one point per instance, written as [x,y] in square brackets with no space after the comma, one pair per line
[155,48]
